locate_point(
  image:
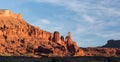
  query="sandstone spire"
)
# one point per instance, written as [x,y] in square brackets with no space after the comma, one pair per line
[56,36]
[68,39]
[62,38]
[71,46]
[69,34]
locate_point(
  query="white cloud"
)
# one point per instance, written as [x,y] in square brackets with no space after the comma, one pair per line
[48,1]
[44,21]
[89,18]
[57,28]
[112,35]
[109,11]
[82,7]
[99,15]
[52,29]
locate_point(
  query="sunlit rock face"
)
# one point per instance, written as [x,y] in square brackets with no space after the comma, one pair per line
[17,37]
[8,13]
[56,36]
[68,39]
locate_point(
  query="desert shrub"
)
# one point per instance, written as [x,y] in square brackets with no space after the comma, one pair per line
[56,60]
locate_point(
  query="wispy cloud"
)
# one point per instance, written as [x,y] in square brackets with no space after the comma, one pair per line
[89,18]
[57,28]
[44,21]
[82,8]
[92,17]
[112,35]
[47,25]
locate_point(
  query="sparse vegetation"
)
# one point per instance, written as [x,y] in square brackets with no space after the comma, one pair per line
[58,59]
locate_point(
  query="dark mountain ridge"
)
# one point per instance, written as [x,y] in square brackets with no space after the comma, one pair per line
[112,44]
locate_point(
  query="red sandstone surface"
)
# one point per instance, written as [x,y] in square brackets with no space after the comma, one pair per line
[18,38]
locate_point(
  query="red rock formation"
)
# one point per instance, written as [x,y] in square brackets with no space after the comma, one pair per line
[107,52]
[56,36]
[57,39]
[17,37]
[68,39]
[62,38]
[71,46]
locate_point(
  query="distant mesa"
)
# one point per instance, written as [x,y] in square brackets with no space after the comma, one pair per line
[112,44]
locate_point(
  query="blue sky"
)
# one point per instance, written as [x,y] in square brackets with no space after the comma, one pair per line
[91,22]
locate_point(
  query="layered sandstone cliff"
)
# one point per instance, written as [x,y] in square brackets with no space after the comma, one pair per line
[17,37]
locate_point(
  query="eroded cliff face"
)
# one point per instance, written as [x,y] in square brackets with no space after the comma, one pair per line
[17,37]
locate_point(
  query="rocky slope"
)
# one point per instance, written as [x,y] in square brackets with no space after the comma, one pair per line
[106,52]
[112,48]
[17,37]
